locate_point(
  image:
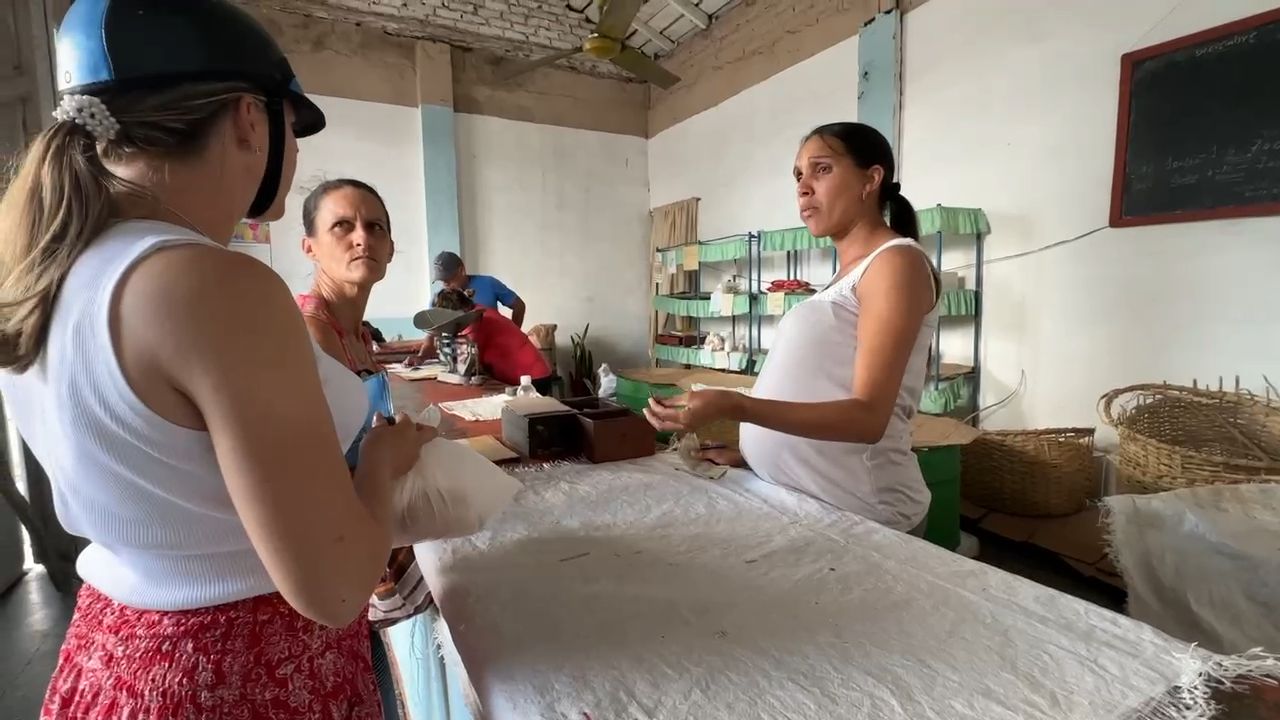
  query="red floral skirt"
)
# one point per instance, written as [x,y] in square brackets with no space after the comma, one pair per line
[256,658]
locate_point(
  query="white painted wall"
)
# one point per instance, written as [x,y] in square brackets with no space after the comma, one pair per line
[738,157]
[561,216]
[1010,105]
[381,145]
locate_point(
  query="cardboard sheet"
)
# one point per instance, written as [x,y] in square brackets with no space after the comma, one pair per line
[536,405]
[933,431]
[491,448]
[656,376]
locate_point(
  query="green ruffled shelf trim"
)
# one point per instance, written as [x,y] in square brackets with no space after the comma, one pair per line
[699,357]
[698,308]
[938,219]
[790,240]
[953,303]
[733,247]
[958,303]
[953,221]
[792,300]
[950,396]
[757,362]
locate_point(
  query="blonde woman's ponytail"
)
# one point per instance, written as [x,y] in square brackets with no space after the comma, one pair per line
[63,195]
[57,202]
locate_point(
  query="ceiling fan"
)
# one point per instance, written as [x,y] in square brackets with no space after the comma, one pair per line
[607,43]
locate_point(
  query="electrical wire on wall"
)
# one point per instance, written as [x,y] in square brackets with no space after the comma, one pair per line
[1033,251]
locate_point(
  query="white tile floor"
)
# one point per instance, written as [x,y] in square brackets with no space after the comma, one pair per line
[33,621]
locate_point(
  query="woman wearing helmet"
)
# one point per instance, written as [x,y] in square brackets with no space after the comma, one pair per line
[201,449]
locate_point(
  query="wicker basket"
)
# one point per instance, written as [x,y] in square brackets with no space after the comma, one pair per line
[1045,473]
[1172,436]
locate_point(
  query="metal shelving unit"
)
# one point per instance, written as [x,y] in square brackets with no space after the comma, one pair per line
[955,391]
[697,306]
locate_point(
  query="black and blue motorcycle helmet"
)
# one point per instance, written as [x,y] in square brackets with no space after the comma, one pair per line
[106,46]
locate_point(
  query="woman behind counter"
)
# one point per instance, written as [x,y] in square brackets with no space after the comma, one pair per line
[348,237]
[830,414]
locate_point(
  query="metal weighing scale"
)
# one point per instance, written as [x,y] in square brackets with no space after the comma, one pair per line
[453,349]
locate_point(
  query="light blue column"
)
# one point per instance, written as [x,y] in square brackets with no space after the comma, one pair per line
[440,171]
[440,176]
[880,74]
[431,688]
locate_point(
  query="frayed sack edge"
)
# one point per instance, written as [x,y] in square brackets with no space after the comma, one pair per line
[1191,698]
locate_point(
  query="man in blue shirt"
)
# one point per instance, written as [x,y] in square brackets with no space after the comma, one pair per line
[484,290]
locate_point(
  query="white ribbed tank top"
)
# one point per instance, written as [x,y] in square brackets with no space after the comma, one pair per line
[812,360]
[146,493]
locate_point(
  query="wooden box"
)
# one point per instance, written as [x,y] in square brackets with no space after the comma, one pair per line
[541,430]
[611,432]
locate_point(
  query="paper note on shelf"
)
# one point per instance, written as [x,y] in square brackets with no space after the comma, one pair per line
[726,304]
[689,259]
[720,360]
[776,304]
[659,269]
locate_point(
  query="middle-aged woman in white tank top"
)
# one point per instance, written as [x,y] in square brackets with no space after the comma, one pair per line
[830,414]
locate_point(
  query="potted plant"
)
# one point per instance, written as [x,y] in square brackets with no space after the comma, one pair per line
[582,375]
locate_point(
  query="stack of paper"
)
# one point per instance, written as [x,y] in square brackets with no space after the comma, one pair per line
[425,372]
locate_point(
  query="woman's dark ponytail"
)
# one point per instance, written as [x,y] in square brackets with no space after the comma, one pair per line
[902,217]
[868,148]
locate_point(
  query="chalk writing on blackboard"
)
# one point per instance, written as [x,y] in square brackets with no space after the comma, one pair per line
[1224,44]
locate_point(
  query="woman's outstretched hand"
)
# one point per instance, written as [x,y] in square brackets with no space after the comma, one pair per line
[693,410]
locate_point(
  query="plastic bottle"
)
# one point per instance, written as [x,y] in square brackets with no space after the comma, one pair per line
[526,387]
[607,382]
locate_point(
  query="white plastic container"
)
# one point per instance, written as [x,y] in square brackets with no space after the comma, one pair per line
[606,382]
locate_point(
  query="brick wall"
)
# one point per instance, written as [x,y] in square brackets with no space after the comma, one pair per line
[752,42]
[342,59]
[521,28]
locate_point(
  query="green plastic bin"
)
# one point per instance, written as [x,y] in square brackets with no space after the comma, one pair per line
[634,394]
[941,469]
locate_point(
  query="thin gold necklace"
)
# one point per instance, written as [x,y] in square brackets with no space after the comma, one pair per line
[190,225]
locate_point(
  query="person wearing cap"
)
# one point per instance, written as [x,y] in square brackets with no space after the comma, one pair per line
[231,549]
[505,353]
[484,290]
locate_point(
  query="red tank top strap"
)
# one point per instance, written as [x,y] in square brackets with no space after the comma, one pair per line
[316,307]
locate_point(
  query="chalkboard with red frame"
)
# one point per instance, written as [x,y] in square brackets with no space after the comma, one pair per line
[1198,127]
